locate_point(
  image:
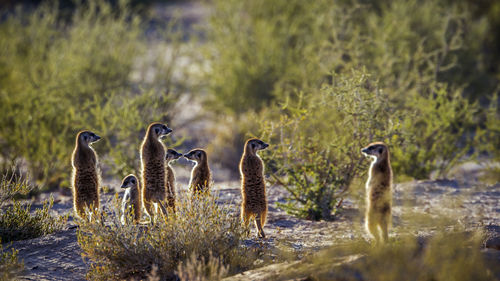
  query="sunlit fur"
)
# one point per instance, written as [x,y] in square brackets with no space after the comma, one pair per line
[378,191]
[86,175]
[131,198]
[171,155]
[153,169]
[253,186]
[201,176]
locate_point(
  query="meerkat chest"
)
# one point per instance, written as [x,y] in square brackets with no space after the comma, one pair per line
[252,166]
[126,196]
[153,152]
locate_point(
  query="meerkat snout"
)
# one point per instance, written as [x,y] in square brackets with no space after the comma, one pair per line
[90,137]
[195,155]
[161,130]
[129,181]
[172,155]
[257,144]
[375,151]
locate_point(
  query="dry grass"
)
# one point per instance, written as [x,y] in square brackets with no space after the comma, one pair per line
[17,221]
[445,256]
[202,237]
[9,264]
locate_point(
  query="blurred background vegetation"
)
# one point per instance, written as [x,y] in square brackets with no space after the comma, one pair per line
[318,80]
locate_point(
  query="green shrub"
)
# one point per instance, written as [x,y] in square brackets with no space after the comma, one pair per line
[489,141]
[17,222]
[317,142]
[10,266]
[437,134]
[84,71]
[258,50]
[200,226]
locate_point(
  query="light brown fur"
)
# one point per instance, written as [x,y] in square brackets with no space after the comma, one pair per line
[170,156]
[131,198]
[253,186]
[200,174]
[153,169]
[378,192]
[86,179]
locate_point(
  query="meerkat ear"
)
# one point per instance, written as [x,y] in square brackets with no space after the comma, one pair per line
[380,150]
[157,130]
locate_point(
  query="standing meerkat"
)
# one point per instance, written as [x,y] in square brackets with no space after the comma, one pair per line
[378,191]
[131,198]
[85,178]
[200,174]
[171,155]
[253,186]
[153,169]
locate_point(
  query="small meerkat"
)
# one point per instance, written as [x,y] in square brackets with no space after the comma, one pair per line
[85,177]
[200,174]
[131,198]
[378,191]
[253,186]
[153,153]
[171,156]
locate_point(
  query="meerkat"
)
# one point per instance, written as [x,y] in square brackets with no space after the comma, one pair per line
[253,186]
[85,178]
[131,198]
[378,191]
[200,174]
[170,156]
[153,169]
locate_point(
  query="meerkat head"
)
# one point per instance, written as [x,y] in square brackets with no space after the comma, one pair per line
[197,155]
[253,145]
[159,130]
[172,155]
[129,181]
[87,137]
[376,150]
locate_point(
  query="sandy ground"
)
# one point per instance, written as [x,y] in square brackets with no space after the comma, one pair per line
[450,202]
